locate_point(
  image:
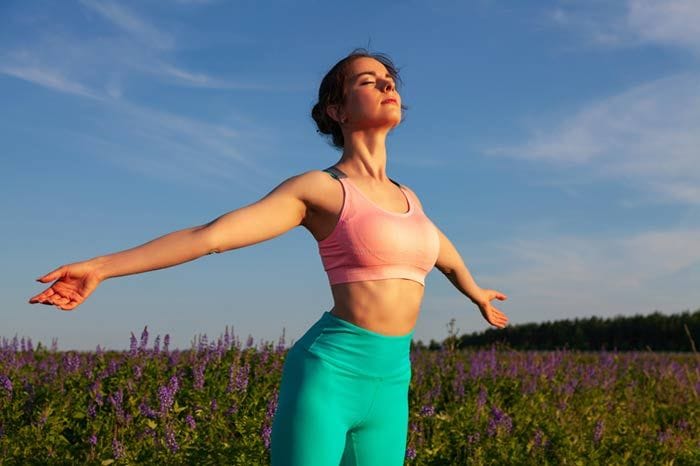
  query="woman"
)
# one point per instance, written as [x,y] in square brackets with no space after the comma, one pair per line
[344,392]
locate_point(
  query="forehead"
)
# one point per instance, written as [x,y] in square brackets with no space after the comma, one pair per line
[366,64]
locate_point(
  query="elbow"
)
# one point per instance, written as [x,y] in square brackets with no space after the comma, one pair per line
[203,241]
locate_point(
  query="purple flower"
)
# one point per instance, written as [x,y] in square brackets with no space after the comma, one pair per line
[92,410]
[266,434]
[166,395]
[598,432]
[410,453]
[481,399]
[92,440]
[166,342]
[272,405]
[170,439]
[6,383]
[146,410]
[199,375]
[189,420]
[138,371]
[473,438]
[427,410]
[249,343]
[133,347]
[156,345]
[242,377]
[499,421]
[144,339]
[214,405]
[117,449]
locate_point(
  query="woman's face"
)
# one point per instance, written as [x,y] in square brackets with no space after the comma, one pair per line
[369,89]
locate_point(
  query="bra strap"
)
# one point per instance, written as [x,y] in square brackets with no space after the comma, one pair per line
[337,173]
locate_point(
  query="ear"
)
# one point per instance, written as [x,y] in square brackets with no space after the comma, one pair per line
[334,112]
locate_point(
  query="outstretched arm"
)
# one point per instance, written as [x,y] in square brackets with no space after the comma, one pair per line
[279,211]
[450,263]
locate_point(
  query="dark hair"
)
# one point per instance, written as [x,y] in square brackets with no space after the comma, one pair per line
[332,92]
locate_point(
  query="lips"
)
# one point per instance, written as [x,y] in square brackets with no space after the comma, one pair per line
[387,101]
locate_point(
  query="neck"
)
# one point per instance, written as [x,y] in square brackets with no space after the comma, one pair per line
[364,155]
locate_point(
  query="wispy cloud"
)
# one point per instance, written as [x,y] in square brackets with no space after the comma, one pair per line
[48,78]
[137,27]
[650,133]
[632,22]
[566,276]
[647,135]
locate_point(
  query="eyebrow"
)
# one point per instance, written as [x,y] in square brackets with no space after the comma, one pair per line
[373,73]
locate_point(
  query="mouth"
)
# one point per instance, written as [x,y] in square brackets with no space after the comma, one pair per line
[389,101]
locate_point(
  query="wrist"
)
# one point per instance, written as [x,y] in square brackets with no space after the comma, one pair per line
[98,267]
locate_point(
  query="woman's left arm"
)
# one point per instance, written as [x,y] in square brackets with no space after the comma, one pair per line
[451,264]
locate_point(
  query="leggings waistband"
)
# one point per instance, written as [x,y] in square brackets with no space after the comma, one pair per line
[358,349]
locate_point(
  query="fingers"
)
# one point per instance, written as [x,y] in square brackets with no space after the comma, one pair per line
[53,275]
[498,318]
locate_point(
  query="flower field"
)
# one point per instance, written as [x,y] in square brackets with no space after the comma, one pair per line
[214,404]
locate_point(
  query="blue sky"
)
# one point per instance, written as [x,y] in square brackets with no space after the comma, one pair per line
[556,143]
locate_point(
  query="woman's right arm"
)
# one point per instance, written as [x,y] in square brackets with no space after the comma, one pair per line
[279,211]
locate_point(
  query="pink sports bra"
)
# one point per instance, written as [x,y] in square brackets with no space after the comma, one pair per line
[370,243]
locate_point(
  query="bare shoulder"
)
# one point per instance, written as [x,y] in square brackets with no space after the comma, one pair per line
[314,185]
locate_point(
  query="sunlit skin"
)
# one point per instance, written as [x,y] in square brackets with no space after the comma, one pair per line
[366,119]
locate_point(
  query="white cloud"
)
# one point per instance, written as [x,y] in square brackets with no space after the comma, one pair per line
[572,276]
[137,27]
[649,134]
[48,78]
[632,22]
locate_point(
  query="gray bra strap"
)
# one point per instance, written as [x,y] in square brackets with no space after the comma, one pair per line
[337,173]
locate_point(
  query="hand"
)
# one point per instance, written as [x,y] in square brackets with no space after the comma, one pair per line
[74,283]
[493,315]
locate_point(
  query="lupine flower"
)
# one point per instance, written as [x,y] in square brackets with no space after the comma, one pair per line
[6,383]
[92,410]
[144,339]
[242,377]
[473,438]
[249,343]
[214,405]
[117,449]
[156,345]
[92,440]
[170,439]
[266,434]
[189,420]
[138,371]
[199,375]
[481,399]
[410,453]
[499,419]
[146,410]
[598,432]
[166,342]
[272,405]
[133,347]
[427,410]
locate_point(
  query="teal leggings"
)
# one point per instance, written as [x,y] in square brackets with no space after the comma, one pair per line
[343,399]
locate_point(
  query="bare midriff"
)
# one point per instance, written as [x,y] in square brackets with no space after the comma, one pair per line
[389,307]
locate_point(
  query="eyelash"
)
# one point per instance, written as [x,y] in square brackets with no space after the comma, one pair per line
[370,82]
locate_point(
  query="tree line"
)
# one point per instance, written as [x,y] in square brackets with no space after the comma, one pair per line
[655,332]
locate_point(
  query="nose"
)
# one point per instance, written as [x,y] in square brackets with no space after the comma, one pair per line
[389,86]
